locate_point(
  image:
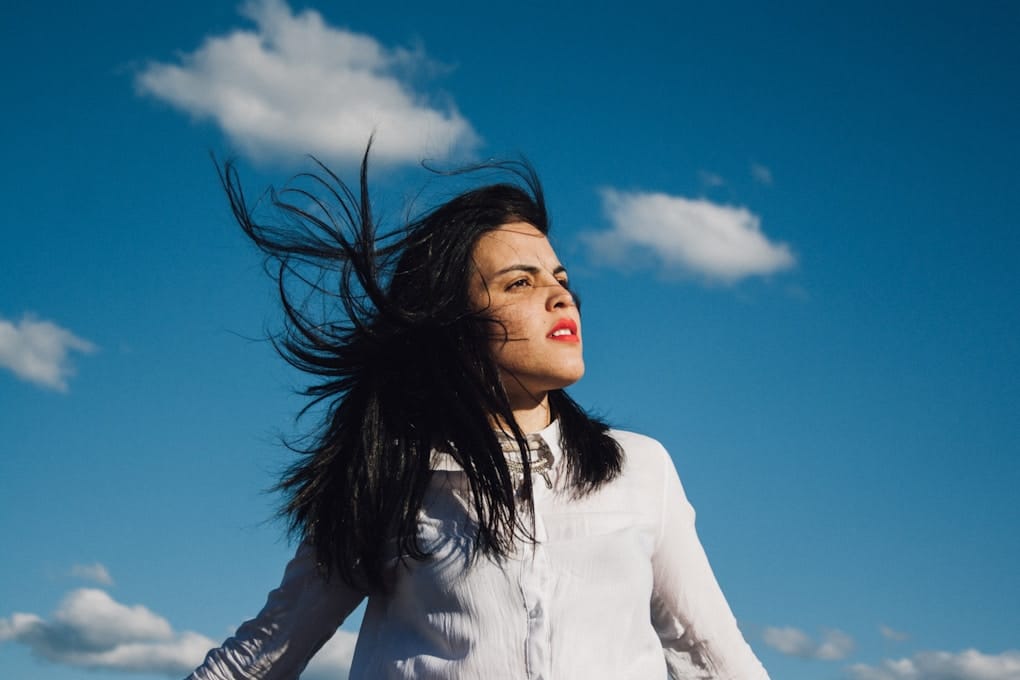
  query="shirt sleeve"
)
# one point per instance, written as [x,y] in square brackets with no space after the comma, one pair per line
[298,618]
[699,634]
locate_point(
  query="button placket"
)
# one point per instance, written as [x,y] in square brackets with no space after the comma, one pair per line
[535,584]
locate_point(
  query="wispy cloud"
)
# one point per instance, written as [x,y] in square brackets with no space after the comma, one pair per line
[761,174]
[967,665]
[39,351]
[333,661]
[711,179]
[91,630]
[682,235]
[833,645]
[893,634]
[297,85]
[96,573]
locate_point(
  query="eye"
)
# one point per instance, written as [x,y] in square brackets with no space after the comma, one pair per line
[519,283]
[565,283]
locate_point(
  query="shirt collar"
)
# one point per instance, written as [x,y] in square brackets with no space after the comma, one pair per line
[550,435]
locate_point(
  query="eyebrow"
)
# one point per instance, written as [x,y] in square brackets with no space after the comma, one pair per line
[529,269]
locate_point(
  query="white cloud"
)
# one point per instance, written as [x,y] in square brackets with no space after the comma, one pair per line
[38,351]
[18,625]
[91,630]
[696,236]
[834,645]
[761,173]
[333,661]
[893,634]
[711,179]
[967,665]
[297,85]
[788,640]
[92,572]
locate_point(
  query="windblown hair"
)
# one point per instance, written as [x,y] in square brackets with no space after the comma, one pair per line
[401,367]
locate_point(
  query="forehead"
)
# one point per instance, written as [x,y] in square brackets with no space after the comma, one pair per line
[514,243]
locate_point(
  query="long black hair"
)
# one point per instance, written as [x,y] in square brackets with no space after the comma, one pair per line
[401,366]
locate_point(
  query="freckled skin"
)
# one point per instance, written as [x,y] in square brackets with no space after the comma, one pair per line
[520,281]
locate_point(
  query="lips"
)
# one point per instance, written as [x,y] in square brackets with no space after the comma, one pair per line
[565,330]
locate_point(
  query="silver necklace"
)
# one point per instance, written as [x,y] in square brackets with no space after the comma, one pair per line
[540,457]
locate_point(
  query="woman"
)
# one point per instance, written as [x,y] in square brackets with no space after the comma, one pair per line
[496,529]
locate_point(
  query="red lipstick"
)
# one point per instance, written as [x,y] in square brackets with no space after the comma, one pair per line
[565,330]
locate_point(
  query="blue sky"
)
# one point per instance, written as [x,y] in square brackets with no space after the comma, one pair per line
[793,229]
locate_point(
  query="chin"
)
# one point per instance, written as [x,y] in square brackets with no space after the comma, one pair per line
[569,379]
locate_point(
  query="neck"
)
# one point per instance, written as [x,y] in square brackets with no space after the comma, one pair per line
[532,414]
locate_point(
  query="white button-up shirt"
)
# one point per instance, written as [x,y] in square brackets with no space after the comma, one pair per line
[616,586]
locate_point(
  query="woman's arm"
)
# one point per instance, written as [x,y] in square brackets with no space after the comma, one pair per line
[298,618]
[699,635]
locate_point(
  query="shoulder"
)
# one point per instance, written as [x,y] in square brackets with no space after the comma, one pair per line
[639,445]
[649,470]
[642,455]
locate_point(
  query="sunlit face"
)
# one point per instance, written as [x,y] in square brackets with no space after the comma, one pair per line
[520,281]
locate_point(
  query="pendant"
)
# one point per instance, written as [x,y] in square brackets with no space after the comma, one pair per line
[541,463]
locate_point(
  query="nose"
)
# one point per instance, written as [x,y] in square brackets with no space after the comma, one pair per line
[559,297]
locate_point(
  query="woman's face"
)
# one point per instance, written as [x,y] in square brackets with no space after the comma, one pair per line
[520,282]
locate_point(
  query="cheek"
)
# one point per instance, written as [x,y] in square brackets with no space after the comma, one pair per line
[509,323]
[514,328]
[511,338]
